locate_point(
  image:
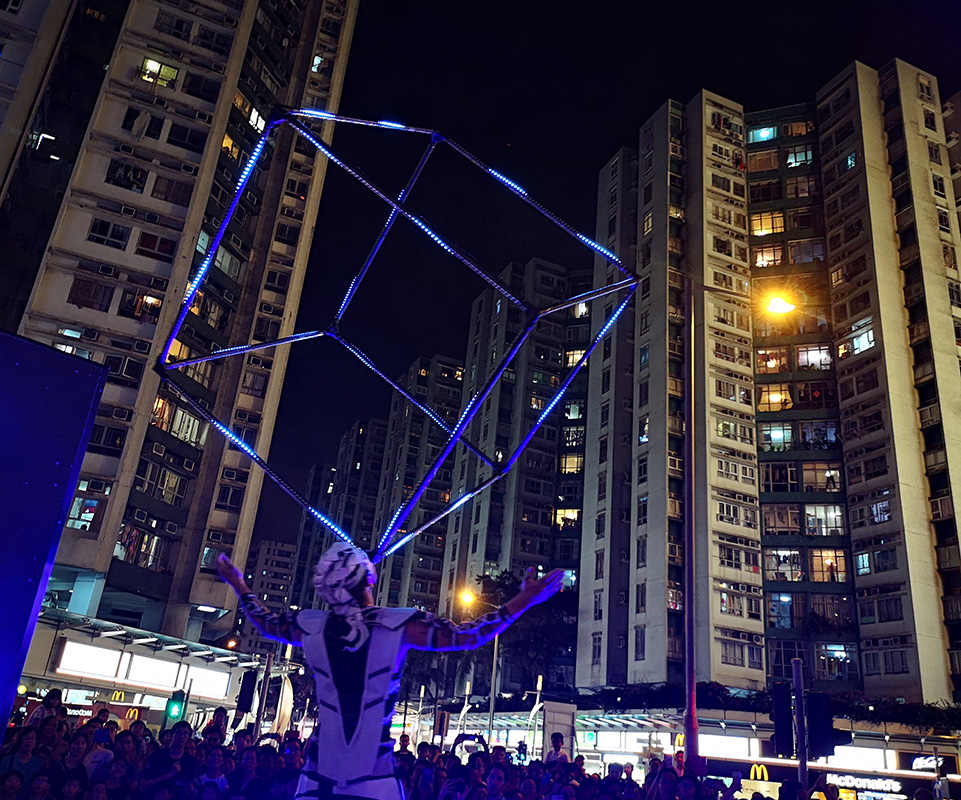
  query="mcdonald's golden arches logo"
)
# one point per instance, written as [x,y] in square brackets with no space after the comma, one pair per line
[679,740]
[133,713]
[759,772]
[118,696]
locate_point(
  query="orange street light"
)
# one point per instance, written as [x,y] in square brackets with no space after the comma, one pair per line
[778,305]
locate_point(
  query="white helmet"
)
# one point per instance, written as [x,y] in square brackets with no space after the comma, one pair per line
[341,569]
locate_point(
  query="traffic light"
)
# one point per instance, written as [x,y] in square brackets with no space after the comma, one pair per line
[176,706]
[245,698]
[441,724]
[522,751]
[823,737]
[783,717]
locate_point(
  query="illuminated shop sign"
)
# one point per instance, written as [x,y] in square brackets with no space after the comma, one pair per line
[857,782]
[925,762]
[88,661]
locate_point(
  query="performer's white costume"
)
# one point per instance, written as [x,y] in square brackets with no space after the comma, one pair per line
[360,764]
[357,656]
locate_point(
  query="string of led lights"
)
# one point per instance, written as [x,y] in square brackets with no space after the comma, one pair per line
[498,465]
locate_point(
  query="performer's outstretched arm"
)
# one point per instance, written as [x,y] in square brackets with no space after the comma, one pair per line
[427,632]
[281,626]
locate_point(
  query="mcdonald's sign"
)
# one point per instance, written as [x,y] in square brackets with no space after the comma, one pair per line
[679,740]
[133,713]
[118,696]
[759,772]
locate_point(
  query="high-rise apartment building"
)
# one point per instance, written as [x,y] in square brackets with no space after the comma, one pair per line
[183,101]
[807,561]
[532,517]
[268,573]
[823,448]
[360,462]
[312,536]
[51,72]
[412,576]
[683,201]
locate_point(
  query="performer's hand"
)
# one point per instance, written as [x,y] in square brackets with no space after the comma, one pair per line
[229,573]
[537,590]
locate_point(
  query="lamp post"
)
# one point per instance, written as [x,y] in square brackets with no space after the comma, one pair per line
[468,598]
[776,305]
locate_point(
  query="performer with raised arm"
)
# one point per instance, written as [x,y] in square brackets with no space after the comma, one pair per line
[357,652]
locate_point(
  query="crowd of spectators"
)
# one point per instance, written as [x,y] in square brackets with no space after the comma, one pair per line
[489,774]
[47,759]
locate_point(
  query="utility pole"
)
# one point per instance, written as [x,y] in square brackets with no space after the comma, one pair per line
[802,740]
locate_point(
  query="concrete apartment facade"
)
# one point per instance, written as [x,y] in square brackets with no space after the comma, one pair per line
[183,101]
[412,576]
[823,447]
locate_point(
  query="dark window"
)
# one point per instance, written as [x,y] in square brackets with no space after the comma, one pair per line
[86,293]
[201,87]
[187,138]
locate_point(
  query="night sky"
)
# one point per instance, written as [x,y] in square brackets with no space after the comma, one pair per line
[543,92]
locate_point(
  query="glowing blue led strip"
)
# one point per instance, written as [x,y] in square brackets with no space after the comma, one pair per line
[470,411]
[507,182]
[367,123]
[449,510]
[435,418]
[355,283]
[383,552]
[493,282]
[245,448]
[570,378]
[240,349]
[534,204]
[456,435]
[198,279]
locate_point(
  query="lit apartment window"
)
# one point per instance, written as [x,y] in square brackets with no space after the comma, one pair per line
[767,222]
[828,566]
[835,661]
[764,134]
[799,155]
[768,256]
[731,604]
[774,397]
[797,128]
[153,71]
[783,564]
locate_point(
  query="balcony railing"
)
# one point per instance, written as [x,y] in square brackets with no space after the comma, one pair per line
[941,507]
[955,656]
[952,609]
[930,415]
[949,557]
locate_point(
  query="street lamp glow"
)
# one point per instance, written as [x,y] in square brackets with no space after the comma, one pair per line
[778,305]
[467,598]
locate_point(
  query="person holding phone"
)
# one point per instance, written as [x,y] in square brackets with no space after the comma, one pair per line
[357,652]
